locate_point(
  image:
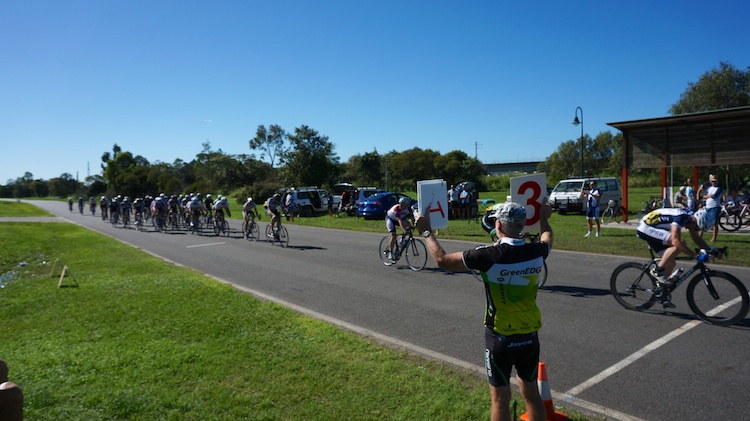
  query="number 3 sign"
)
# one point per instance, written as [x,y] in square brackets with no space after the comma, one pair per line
[530,191]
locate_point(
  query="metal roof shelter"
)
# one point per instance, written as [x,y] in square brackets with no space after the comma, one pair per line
[711,138]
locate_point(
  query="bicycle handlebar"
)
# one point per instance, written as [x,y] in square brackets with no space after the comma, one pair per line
[723,251]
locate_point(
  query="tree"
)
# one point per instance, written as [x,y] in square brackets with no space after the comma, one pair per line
[602,156]
[456,166]
[310,160]
[408,167]
[364,170]
[62,186]
[725,87]
[270,142]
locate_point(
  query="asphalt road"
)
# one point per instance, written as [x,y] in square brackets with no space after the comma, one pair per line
[601,358]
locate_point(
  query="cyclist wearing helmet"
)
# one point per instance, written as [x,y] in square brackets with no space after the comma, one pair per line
[399,214]
[272,209]
[661,230]
[220,206]
[249,212]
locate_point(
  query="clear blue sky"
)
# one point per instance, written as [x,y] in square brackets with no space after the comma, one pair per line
[160,78]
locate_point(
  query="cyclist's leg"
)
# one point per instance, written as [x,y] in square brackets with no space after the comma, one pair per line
[391,227]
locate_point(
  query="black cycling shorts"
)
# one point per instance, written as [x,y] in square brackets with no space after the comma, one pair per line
[502,353]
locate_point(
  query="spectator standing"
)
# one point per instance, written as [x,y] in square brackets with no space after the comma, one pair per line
[11,397]
[592,196]
[690,195]
[712,196]
[452,201]
[511,325]
[464,197]
[329,196]
[289,202]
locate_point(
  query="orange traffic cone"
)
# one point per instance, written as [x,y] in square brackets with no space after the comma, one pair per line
[546,394]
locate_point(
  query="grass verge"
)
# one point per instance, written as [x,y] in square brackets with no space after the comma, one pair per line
[15,208]
[143,339]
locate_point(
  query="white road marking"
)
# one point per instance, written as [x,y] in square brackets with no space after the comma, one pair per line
[630,359]
[208,244]
[570,394]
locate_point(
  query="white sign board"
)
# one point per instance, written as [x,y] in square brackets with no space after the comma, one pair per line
[433,194]
[530,191]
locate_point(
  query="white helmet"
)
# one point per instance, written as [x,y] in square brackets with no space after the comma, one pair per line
[701,218]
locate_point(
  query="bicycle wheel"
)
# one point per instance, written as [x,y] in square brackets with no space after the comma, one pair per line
[617,214]
[283,236]
[269,234]
[383,251]
[225,228]
[217,228]
[730,222]
[416,254]
[254,231]
[542,276]
[720,299]
[607,215]
[632,287]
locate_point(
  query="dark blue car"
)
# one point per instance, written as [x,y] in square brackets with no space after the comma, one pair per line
[375,206]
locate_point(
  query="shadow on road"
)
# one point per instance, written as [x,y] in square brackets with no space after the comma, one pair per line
[575,291]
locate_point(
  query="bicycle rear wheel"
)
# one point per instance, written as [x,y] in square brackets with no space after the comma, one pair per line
[416,254]
[730,222]
[253,231]
[632,287]
[383,251]
[720,299]
[283,236]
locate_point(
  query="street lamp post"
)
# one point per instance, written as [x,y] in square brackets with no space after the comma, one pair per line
[576,122]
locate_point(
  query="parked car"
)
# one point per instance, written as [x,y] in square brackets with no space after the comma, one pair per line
[566,196]
[309,199]
[353,196]
[376,205]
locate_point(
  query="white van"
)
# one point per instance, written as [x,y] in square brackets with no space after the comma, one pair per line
[567,194]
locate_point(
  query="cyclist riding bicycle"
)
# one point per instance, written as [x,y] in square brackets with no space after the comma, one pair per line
[70,204]
[160,208]
[195,207]
[221,205]
[272,209]
[125,209]
[138,207]
[208,204]
[249,212]
[661,230]
[399,213]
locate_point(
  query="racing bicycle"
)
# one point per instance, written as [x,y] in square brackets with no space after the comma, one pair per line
[730,216]
[715,297]
[613,212]
[221,226]
[250,229]
[277,233]
[413,248]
